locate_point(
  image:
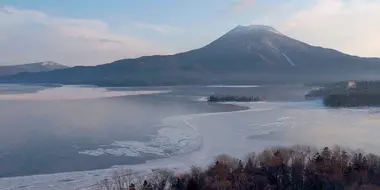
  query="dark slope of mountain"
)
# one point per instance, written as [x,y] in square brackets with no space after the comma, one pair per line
[30,67]
[246,54]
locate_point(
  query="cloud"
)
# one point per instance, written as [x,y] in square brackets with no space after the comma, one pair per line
[164,29]
[29,36]
[351,26]
[238,5]
[4,10]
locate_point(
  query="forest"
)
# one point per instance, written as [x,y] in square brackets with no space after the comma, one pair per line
[230,98]
[351,100]
[348,94]
[294,168]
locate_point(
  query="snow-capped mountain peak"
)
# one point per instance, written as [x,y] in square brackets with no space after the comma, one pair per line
[255,28]
[31,67]
[50,63]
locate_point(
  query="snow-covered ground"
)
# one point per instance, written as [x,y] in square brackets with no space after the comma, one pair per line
[198,138]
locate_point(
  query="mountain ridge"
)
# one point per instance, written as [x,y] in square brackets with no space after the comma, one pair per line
[244,55]
[30,67]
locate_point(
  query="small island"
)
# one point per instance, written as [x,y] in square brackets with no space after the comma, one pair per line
[231,98]
[352,100]
[348,94]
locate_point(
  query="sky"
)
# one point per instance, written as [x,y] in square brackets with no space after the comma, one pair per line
[92,32]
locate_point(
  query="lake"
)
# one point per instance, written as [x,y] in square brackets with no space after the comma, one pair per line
[61,129]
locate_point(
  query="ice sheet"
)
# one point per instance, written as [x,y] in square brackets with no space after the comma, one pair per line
[198,138]
[74,92]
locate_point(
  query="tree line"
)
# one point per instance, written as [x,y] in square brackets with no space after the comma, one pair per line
[294,168]
[231,98]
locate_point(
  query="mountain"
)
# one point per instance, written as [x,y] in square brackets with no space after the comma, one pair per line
[30,67]
[246,54]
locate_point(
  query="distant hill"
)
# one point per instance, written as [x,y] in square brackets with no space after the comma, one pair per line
[30,67]
[244,55]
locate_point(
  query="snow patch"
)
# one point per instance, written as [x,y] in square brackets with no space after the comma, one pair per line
[289,60]
[268,43]
[50,63]
[258,27]
[275,31]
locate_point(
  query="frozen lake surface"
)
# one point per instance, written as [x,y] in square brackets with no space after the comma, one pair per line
[183,140]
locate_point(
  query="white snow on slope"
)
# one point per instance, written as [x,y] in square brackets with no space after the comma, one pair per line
[49,63]
[269,44]
[258,27]
[289,60]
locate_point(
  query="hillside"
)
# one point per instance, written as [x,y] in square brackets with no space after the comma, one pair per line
[246,54]
[30,67]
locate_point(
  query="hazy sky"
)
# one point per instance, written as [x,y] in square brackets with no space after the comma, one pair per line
[91,32]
